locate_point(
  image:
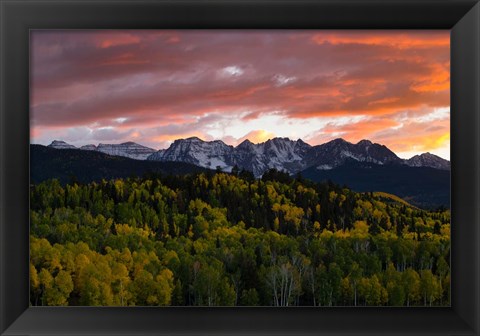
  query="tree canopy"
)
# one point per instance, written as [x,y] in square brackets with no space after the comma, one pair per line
[219,239]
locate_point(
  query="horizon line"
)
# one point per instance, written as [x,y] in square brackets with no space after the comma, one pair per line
[257,143]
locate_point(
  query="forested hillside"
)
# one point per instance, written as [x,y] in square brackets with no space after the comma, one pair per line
[211,239]
[84,166]
[425,187]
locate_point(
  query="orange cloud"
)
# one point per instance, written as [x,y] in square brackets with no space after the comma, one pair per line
[353,132]
[112,39]
[123,59]
[438,79]
[166,84]
[399,40]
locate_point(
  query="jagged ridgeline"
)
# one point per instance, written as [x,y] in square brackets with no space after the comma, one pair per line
[423,180]
[218,239]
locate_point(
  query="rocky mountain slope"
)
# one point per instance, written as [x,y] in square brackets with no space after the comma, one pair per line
[130,149]
[283,154]
[428,160]
[288,155]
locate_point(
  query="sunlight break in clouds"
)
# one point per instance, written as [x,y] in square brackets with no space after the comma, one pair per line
[152,87]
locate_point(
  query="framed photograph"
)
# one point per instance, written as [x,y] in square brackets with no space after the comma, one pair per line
[229,167]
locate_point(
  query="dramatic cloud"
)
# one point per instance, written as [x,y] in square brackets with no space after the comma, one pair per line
[153,87]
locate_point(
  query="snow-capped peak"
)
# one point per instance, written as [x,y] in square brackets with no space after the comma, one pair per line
[58,144]
[193,138]
[364,142]
[282,154]
[89,147]
[128,149]
[246,144]
[279,153]
[209,154]
[428,160]
[338,151]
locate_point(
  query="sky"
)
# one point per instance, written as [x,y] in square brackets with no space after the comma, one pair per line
[152,87]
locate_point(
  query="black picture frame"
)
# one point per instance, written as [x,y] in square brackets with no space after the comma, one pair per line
[18,17]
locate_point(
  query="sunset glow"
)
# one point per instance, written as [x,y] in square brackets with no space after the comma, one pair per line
[152,87]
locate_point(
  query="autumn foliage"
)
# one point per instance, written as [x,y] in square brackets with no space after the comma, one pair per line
[217,239]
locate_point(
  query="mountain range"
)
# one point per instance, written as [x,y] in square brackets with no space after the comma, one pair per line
[130,149]
[283,154]
[423,180]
